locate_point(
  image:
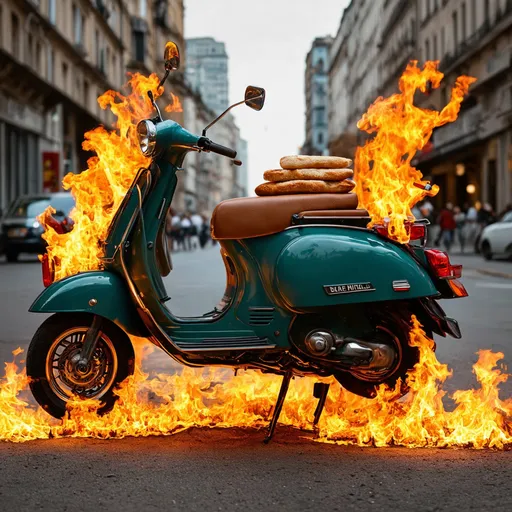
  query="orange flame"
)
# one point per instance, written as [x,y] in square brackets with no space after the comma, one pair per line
[165,405]
[175,105]
[99,190]
[387,185]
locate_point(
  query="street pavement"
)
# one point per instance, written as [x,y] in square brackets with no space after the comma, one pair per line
[232,469]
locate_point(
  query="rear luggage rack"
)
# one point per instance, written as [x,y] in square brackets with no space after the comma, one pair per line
[359,221]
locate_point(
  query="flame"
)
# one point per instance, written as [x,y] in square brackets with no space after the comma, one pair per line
[175,105]
[387,185]
[167,404]
[99,190]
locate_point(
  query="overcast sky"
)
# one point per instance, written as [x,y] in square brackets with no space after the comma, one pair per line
[267,42]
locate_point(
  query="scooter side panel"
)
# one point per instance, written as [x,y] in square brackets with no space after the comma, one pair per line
[73,295]
[320,267]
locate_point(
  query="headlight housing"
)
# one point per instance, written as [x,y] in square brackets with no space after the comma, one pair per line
[146,133]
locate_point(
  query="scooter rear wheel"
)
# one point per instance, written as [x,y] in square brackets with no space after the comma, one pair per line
[52,369]
[408,357]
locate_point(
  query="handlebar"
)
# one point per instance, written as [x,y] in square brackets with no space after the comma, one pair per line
[208,145]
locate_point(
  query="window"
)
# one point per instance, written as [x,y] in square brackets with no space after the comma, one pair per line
[107,59]
[38,57]
[427,50]
[443,43]
[320,139]
[139,46]
[114,69]
[473,16]
[487,11]
[52,13]
[30,50]
[97,47]
[86,94]
[463,16]
[143,8]
[64,76]
[427,8]
[49,67]
[77,25]
[434,47]
[15,36]
[455,30]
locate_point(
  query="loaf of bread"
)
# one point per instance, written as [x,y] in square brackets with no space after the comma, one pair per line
[314,162]
[305,187]
[308,174]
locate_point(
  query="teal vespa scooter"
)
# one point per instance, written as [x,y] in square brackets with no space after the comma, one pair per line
[310,290]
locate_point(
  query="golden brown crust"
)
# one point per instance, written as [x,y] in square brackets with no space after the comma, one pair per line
[305,187]
[308,174]
[314,162]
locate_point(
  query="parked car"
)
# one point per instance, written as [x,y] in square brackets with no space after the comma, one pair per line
[20,231]
[496,239]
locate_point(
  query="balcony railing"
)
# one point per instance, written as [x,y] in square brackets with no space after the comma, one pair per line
[467,47]
[465,127]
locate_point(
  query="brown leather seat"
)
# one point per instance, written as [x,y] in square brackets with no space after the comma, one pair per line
[249,217]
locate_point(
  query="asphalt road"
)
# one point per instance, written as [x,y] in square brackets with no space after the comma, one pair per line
[232,469]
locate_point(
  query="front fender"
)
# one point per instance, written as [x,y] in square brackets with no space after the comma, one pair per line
[75,294]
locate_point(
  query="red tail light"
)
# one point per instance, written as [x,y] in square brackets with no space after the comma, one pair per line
[48,271]
[440,263]
[415,231]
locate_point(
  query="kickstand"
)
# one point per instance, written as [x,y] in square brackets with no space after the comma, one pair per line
[279,405]
[320,390]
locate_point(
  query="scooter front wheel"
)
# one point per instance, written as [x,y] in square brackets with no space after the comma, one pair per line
[55,377]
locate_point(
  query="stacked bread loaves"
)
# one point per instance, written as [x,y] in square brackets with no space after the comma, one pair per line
[304,174]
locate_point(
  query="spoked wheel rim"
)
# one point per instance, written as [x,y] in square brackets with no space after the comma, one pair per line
[63,376]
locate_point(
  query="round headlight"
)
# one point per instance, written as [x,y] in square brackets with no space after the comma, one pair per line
[146,132]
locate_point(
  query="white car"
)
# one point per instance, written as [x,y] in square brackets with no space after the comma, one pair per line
[496,239]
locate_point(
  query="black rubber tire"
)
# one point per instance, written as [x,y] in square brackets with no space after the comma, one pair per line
[41,343]
[12,256]
[410,356]
[486,250]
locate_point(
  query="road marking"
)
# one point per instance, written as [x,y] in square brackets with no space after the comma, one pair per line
[504,286]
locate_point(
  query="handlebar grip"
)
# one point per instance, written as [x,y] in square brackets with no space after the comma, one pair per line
[208,145]
[222,150]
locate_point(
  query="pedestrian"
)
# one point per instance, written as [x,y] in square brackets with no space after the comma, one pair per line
[186,229]
[427,209]
[204,233]
[447,227]
[176,231]
[471,223]
[197,224]
[460,222]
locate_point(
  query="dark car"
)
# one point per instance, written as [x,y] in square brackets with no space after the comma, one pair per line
[20,231]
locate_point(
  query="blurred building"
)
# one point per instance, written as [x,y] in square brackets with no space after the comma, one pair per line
[471,159]
[354,73]
[56,58]
[317,88]
[207,71]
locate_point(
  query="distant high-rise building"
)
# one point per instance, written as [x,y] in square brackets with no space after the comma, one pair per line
[207,71]
[317,87]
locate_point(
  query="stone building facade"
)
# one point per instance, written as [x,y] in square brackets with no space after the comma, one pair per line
[353,74]
[471,159]
[56,58]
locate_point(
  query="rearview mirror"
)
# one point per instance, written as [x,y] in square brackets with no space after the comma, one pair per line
[255,97]
[171,56]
